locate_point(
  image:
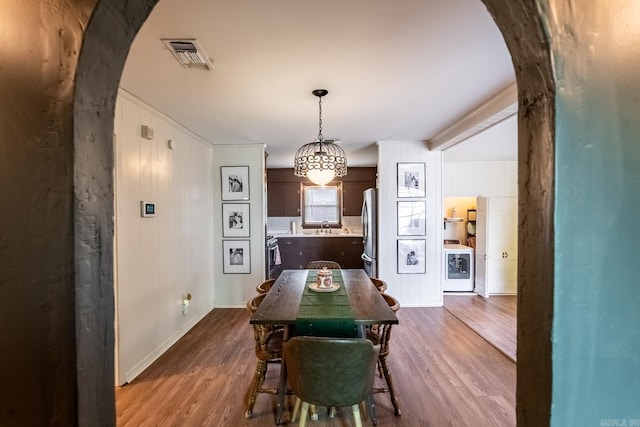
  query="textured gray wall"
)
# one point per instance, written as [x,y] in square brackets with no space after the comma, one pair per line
[37,318]
[522,29]
[106,44]
[56,284]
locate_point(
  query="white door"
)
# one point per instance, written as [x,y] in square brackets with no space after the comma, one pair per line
[481,248]
[497,246]
[510,245]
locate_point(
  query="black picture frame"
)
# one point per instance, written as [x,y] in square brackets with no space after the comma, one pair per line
[412,218]
[411,180]
[236,256]
[412,256]
[235,182]
[236,220]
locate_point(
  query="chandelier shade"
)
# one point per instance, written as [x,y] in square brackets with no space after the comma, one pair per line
[322,160]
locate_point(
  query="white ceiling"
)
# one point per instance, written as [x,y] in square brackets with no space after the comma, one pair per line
[395,71]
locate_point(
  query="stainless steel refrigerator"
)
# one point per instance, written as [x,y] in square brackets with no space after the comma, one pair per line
[370,231]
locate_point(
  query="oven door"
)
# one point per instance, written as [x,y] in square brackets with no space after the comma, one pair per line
[270,261]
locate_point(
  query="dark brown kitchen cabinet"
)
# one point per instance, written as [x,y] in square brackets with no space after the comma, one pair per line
[283,191]
[344,250]
[352,196]
[283,199]
[295,252]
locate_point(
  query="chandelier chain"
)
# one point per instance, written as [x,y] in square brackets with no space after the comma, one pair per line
[320,160]
[320,137]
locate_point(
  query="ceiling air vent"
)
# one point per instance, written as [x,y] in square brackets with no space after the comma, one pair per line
[189,53]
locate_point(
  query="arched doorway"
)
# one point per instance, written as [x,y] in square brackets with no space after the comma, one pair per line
[100,65]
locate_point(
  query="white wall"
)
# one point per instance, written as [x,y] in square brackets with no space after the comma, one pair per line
[473,179]
[234,290]
[159,260]
[412,290]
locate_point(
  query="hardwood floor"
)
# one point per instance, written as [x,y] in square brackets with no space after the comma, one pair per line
[444,372]
[493,318]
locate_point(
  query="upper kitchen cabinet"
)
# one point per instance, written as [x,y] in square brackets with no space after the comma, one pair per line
[283,199]
[283,191]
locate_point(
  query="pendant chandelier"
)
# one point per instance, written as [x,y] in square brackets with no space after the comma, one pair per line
[322,160]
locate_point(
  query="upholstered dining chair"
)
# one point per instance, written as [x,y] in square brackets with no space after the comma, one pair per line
[380,284]
[330,372]
[381,335]
[268,349]
[264,287]
[332,265]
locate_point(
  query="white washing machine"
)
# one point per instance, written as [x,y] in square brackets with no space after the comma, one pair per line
[458,268]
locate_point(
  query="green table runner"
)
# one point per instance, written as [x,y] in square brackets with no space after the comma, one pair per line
[325,314]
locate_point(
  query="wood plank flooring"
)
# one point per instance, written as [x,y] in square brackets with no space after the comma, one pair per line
[493,318]
[444,372]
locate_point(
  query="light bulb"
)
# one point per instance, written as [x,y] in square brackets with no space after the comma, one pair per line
[321,177]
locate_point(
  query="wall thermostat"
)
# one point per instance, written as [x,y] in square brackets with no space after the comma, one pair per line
[147,209]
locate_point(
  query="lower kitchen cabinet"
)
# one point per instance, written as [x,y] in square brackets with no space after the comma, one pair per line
[295,252]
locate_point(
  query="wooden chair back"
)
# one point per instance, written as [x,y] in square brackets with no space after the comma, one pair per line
[265,286]
[268,338]
[381,335]
[268,350]
[380,284]
[332,265]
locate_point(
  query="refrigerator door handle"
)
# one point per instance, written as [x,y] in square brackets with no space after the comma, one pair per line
[366,258]
[365,222]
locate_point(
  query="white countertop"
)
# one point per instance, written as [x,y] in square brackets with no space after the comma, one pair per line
[312,233]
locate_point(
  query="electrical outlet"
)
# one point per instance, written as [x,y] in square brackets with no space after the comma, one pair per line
[185,304]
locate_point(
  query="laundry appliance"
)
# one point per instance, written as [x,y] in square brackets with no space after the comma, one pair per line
[458,268]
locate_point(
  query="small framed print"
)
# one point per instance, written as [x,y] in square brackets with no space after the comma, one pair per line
[411,256]
[411,180]
[412,219]
[236,255]
[235,220]
[235,182]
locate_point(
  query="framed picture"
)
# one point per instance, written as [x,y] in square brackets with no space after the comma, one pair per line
[412,219]
[411,256]
[411,180]
[236,256]
[235,182]
[235,220]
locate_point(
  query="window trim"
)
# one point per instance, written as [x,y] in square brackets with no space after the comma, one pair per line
[303,187]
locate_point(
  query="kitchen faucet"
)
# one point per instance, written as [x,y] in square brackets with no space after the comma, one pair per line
[325,222]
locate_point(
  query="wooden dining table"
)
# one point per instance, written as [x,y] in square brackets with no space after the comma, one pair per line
[281,306]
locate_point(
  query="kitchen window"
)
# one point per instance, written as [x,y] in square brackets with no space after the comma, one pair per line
[322,205]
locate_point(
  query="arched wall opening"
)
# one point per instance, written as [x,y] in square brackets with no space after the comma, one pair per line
[101,61]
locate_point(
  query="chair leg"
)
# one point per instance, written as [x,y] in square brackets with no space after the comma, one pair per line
[356,415]
[258,378]
[313,412]
[364,413]
[296,408]
[372,409]
[304,414]
[389,380]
